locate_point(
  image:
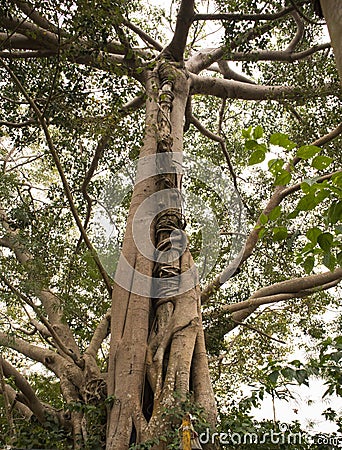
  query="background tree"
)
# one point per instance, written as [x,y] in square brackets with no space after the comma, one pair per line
[88,87]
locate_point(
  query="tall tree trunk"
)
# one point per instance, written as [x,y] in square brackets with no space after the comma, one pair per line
[157,350]
[332,11]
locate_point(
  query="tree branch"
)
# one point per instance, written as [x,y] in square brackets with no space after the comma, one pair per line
[54,335]
[39,354]
[295,288]
[22,384]
[134,104]
[144,36]
[31,13]
[184,20]
[299,35]
[252,239]
[14,399]
[203,60]
[223,88]
[276,55]
[99,335]
[222,143]
[250,327]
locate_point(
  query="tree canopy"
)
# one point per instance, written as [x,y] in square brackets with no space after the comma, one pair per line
[232,110]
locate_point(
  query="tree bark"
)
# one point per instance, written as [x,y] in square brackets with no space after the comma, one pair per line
[332,10]
[157,352]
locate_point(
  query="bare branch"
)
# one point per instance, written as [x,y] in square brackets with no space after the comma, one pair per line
[15,402]
[295,288]
[34,352]
[184,20]
[250,327]
[34,33]
[50,329]
[205,59]
[17,125]
[222,143]
[230,74]
[31,13]
[299,35]
[223,88]
[144,36]
[99,335]
[19,42]
[22,384]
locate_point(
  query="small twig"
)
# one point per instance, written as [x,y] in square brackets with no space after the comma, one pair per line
[250,327]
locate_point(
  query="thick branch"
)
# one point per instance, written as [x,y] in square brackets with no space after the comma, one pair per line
[31,12]
[299,34]
[223,88]
[22,384]
[295,288]
[184,20]
[99,335]
[12,395]
[34,352]
[34,33]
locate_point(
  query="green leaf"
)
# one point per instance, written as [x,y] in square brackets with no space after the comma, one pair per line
[329,261]
[251,144]
[325,241]
[309,264]
[247,132]
[275,165]
[337,179]
[280,233]
[307,151]
[288,373]
[307,202]
[301,376]
[312,234]
[258,132]
[263,219]
[283,178]
[305,187]
[256,157]
[273,376]
[275,213]
[335,212]
[321,162]
[282,140]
